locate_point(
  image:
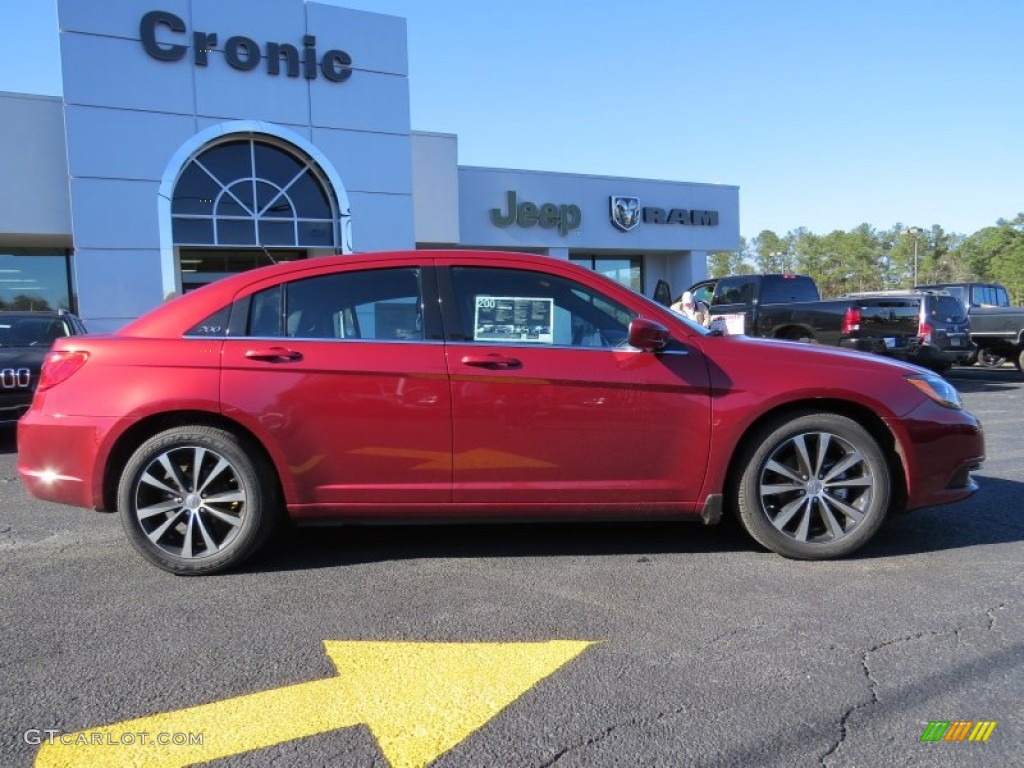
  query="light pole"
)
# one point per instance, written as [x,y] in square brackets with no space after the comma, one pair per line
[784,255]
[915,231]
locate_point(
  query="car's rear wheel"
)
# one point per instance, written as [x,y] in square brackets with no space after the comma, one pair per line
[800,335]
[813,487]
[989,359]
[194,501]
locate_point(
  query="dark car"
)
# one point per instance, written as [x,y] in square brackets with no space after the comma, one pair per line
[25,338]
[375,389]
[941,329]
[787,306]
[997,327]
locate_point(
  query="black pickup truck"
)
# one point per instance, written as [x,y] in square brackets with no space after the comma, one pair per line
[996,327]
[778,306]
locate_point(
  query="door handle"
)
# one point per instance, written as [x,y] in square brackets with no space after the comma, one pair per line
[274,354]
[492,361]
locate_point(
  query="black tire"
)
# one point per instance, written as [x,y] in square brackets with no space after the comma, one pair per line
[989,359]
[800,336]
[796,503]
[193,500]
[1018,360]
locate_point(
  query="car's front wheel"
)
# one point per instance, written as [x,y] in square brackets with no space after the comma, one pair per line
[194,501]
[813,486]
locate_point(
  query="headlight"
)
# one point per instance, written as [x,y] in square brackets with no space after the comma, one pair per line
[937,388]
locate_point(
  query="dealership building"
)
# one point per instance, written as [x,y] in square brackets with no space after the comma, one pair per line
[196,138]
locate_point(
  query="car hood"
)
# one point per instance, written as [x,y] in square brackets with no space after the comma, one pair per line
[772,371]
[816,354]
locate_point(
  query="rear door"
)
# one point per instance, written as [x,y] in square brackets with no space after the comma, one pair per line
[343,374]
[552,408]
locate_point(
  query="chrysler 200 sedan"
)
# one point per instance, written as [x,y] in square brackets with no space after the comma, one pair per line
[446,386]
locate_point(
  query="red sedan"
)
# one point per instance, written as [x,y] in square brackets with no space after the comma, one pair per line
[453,385]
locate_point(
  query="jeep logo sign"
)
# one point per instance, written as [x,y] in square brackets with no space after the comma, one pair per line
[548,215]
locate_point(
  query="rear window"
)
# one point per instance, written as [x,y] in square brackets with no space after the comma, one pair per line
[787,289]
[989,296]
[947,308]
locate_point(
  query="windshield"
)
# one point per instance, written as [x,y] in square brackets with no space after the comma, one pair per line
[31,331]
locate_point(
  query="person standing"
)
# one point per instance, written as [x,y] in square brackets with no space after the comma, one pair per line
[688,308]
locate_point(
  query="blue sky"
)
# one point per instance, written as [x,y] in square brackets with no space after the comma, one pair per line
[825,113]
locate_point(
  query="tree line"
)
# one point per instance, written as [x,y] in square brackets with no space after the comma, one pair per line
[868,259]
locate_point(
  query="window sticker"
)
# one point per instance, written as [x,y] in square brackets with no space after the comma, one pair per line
[513,319]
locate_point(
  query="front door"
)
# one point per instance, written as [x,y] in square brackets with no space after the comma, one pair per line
[553,408]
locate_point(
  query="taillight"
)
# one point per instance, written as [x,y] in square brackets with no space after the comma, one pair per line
[851,320]
[924,333]
[60,366]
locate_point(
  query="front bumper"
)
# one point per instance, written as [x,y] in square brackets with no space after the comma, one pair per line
[940,447]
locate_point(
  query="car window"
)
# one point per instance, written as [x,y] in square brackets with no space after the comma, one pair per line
[960,293]
[785,289]
[990,296]
[735,290]
[378,304]
[947,308]
[535,308]
[214,325]
[703,293]
[31,331]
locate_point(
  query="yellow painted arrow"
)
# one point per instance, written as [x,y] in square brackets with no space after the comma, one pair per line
[418,699]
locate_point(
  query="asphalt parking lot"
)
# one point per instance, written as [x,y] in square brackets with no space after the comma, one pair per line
[562,645]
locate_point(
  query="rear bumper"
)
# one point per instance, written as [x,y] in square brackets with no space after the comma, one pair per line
[58,458]
[911,351]
[928,355]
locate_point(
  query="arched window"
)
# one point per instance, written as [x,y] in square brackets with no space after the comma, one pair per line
[252,192]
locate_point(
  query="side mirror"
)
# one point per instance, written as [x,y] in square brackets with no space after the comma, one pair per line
[647,335]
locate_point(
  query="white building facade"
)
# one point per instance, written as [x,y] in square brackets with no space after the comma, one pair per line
[196,138]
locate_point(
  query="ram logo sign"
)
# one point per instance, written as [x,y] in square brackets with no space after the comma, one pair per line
[626,213]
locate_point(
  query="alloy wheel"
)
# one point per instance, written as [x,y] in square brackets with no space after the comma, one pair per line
[816,487]
[189,502]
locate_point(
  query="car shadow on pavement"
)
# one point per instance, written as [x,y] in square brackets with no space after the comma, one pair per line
[991,516]
[294,548]
[971,380]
